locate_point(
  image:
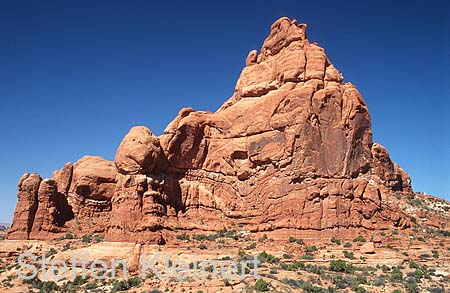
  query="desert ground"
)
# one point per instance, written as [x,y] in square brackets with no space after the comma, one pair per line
[409,260]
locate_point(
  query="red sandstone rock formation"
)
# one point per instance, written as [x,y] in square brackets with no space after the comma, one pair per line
[292,148]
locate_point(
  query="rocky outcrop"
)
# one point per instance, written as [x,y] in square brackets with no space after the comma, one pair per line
[47,213]
[139,152]
[292,148]
[93,178]
[26,208]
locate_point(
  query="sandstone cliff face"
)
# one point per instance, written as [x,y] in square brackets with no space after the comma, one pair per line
[292,148]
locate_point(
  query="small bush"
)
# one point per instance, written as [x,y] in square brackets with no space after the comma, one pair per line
[436,290]
[134,281]
[126,284]
[245,272]
[251,246]
[293,283]
[307,257]
[411,286]
[261,286]
[311,249]
[335,241]
[396,275]
[341,266]
[201,237]
[296,240]
[349,254]
[30,281]
[51,252]
[310,288]
[86,239]
[98,238]
[120,286]
[48,287]
[360,239]
[224,233]
[91,286]
[379,281]
[66,246]
[78,281]
[293,266]
[241,253]
[315,269]
[288,256]
[265,257]
[340,282]
[385,268]
[183,236]
[443,233]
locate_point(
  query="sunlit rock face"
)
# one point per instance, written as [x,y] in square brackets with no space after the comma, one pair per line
[292,148]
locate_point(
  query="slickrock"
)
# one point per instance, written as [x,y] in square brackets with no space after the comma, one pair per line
[292,148]
[367,248]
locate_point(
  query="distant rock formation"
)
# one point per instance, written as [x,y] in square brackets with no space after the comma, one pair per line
[292,148]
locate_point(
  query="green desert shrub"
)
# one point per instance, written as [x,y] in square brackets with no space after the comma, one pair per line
[349,254]
[261,286]
[251,246]
[296,240]
[183,236]
[225,233]
[201,237]
[360,239]
[396,275]
[98,238]
[307,287]
[265,257]
[86,239]
[340,265]
[335,241]
[125,285]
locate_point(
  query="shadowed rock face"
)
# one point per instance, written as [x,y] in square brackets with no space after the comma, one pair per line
[292,148]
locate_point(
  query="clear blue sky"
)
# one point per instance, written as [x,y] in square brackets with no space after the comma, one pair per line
[76,75]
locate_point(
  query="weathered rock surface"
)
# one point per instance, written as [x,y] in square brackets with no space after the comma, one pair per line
[27,204]
[93,178]
[139,152]
[368,248]
[292,148]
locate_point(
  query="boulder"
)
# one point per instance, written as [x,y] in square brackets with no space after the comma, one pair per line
[94,178]
[139,152]
[367,248]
